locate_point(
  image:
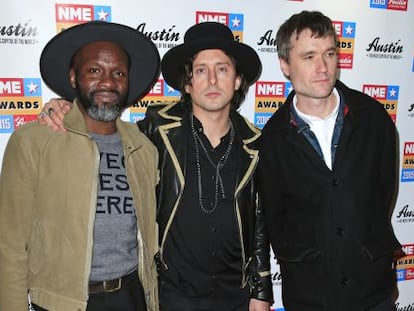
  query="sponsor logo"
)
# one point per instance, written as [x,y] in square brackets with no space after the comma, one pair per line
[68,15]
[267,42]
[160,93]
[277,278]
[20,102]
[345,36]
[345,33]
[400,307]
[387,95]
[234,21]
[405,214]
[411,110]
[22,33]
[269,97]
[399,5]
[9,123]
[377,48]
[407,171]
[20,96]
[165,38]
[405,264]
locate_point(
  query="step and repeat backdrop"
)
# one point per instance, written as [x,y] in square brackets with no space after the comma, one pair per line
[376,52]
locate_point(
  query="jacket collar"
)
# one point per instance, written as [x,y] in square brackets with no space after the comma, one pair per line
[74,122]
[245,130]
[284,117]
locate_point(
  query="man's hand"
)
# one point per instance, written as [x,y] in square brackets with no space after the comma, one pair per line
[53,112]
[258,305]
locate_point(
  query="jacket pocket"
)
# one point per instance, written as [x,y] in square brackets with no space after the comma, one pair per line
[304,278]
[297,254]
[378,247]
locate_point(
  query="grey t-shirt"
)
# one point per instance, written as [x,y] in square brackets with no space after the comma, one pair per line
[115,231]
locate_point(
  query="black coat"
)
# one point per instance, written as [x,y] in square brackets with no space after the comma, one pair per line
[330,229]
[163,124]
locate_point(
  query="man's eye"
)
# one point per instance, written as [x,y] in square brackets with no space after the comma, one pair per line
[222,69]
[199,70]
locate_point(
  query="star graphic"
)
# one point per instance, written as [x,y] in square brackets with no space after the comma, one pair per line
[393,92]
[32,87]
[236,22]
[349,30]
[170,90]
[102,15]
[290,88]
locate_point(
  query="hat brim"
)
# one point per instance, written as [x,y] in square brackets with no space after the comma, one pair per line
[56,57]
[247,59]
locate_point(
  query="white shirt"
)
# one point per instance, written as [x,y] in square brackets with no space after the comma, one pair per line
[322,128]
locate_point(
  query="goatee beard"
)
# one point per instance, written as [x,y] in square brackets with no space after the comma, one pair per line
[100,113]
[103,113]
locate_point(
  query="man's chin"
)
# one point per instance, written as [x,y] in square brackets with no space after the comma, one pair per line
[104,114]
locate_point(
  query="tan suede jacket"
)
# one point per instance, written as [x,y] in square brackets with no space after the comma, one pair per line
[48,193]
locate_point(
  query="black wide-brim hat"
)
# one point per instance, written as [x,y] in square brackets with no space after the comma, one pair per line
[204,36]
[144,59]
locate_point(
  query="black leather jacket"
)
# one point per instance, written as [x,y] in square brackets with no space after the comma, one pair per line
[164,126]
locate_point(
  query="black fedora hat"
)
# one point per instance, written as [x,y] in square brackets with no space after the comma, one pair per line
[57,54]
[209,35]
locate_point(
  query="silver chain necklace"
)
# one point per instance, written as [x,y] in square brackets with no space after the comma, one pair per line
[218,167]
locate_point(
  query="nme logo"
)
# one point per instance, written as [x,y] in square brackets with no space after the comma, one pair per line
[409,148]
[234,21]
[407,173]
[387,95]
[345,34]
[408,249]
[272,89]
[17,87]
[269,97]
[20,96]
[399,5]
[11,87]
[161,92]
[405,264]
[161,88]
[68,15]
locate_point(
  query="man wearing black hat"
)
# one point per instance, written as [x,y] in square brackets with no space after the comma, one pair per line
[77,209]
[212,239]
[214,253]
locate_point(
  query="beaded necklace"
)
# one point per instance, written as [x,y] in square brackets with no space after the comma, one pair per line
[218,167]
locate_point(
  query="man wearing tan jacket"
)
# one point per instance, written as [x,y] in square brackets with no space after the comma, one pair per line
[77,209]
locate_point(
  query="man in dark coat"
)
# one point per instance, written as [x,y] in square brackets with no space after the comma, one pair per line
[327,179]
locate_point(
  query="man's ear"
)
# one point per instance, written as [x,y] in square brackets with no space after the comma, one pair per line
[237,84]
[284,66]
[187,88]
[72,77]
